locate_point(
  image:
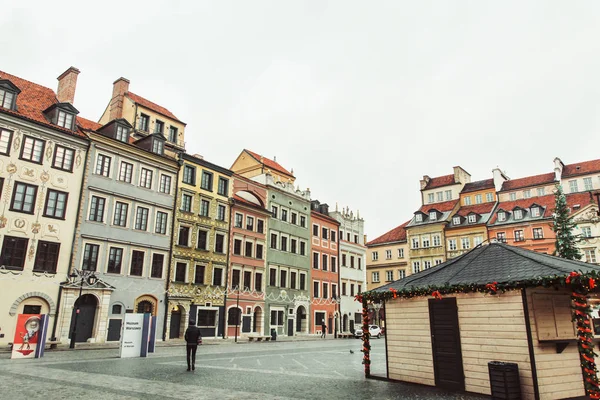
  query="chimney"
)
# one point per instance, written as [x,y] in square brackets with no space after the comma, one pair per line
[424,181]
[558,169]
[120,86]
[67,82]
[499,178]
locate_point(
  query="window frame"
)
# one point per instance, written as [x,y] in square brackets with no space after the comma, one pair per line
[14,194]
[47,201]
[31,159]
[66,150]
[51,257]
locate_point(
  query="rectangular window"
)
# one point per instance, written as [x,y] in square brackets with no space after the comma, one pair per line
[294,218]
[430,198]
[424,240]
[452,244]
[415,243]
[448,194]
[157,265]
[144,122]
[146,178]
[316,260]
[159,126]
[302,248]
[333,264]
[293,280]
[125,172]
[439,196]
[5,141]
[324,262]
[272,277]
[283,278]
[401,274]
[115,258]
[586,232]
[258,282]
[207,318]
[221,211]
[501,237]
[46,258]
[465,243]
[90,257]
[259,251]
[437,241]
[541,191]
[250,223]
[401,252]
[273,240]
[56,204]
[202,240]
[352,289]
[324,232]
[97,209]
[14,250]
[512,196]
[489,197]
[137,263]
[63,158]
[223,188]
[23,199]
[103,165]
[122,133]
[237,247]
[247,280]
[374,257]
[477,240]
[316,289]
[315,230]
[293,245]
[501,216]
[33,149]
[573,186]
[217,277]
[65,120]
[207,181]
[238,220]
[186,203]
[518,214]
[158,146]
[359,261]
[334,291]
[172,134]
[260,226]
[235,279]
[419,217]
[248,250]
[375,278]
[456,220]
[333,235]
[351,261]
[184,236]
[6,101]
[303,221]
[468,200]
[325,290]
[165,184]
[199,275]
[284,215]
[426,264]
[389,276]
[274,211]
[519,236]
[587,183]
[590,255]
[472,218]
[161,222]
[356,239]
[302,281]
[204,207]
[189,175]
[219,243]
[283,243]
[180,272]
[416,267]
[526,194]
[538,233]
[120,216]
[141,218]
[478,199]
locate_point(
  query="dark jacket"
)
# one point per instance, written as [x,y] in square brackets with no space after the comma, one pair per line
[192,334]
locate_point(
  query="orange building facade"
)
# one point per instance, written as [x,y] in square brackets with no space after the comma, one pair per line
[325,269]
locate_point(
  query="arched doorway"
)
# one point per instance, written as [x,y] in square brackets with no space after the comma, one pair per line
[300,319]
[345,324]
[87,305]
[175,325]
[257,321]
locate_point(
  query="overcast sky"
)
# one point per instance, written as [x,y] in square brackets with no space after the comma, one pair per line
[361,99]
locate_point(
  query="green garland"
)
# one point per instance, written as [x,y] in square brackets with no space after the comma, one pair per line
[579,283]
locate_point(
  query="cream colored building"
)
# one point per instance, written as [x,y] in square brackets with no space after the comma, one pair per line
[42,156]
[387,258]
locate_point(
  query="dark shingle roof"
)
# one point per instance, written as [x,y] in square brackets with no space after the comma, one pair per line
[496,262]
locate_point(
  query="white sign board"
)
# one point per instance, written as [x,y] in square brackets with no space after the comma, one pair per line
[131,337]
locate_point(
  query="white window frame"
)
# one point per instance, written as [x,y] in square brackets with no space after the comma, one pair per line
[451,244]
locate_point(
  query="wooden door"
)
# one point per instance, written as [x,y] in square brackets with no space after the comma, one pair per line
[246,320]
[445,342]
[290,327]
[114,329]
[175,327]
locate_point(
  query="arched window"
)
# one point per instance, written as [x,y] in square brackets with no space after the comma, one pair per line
[145,307]
[117,309]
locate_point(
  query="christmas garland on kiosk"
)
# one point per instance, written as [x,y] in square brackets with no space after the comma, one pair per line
[580,284]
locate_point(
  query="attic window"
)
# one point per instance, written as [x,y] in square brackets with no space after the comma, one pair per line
[65,119]
[122,133]
[158,146]
[535,211]
[7,99]
[456,221]
[576,206]
[433,215]
[501,216]
[472,218]
[419,218]
[518,214]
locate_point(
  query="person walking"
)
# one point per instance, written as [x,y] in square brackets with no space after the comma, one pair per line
[323,329]
[193,338]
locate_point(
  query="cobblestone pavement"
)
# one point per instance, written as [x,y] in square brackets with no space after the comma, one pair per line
[278,370]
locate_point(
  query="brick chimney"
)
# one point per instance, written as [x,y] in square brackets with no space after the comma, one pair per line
[67,82]
[120,86]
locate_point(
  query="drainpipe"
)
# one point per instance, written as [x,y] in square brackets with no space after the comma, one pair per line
[80,215]
[231,202]
[168,279]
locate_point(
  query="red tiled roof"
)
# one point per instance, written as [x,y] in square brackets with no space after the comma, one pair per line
[545,201]
[317,215]
[152,106]
[269,163]
[440,181]
[582,199]
[480,209]
[478,185]
[398,234]
[582,168]
[32,101]
[536,180]
[87,124]
[443,206]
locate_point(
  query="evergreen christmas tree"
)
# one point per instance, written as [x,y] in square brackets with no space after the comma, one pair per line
[563,225]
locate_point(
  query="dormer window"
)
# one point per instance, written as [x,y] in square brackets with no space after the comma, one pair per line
[419,218]
[158,147]
[472,218]
[8,94]
[456,221]
[501,216]
[65,119]
[518,214]
[433,215]
[122,134]
[535,211]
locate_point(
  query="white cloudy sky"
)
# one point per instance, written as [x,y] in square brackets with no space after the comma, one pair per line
[360,98]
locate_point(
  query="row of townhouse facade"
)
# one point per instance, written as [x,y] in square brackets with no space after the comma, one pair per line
[457,215]
[237,251]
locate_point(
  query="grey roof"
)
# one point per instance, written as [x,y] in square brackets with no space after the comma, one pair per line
[496,262]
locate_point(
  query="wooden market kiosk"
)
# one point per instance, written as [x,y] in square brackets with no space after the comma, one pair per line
[495,303]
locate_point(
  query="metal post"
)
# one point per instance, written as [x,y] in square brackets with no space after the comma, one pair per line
[239,314]
[74,331]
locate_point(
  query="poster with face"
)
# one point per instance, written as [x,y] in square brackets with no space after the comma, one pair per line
[26,335]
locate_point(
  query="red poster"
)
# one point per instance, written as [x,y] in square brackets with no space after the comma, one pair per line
[26,335]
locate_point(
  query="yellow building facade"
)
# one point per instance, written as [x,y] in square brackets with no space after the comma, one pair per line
[387,258]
